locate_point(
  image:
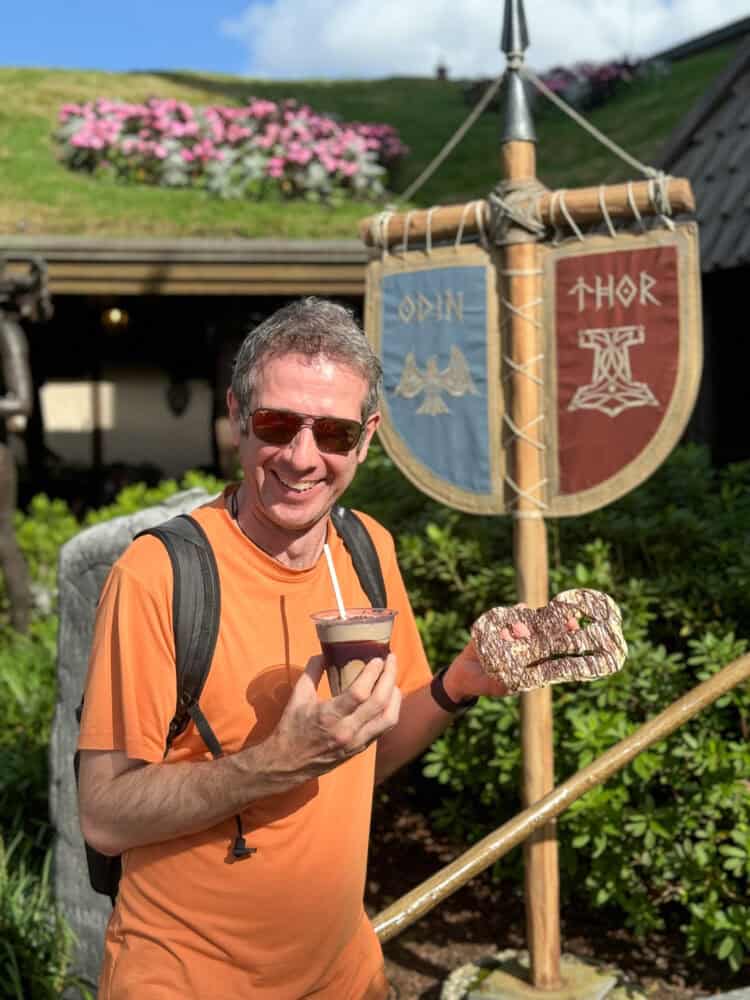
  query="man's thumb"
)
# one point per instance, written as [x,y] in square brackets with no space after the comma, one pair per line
[314,670]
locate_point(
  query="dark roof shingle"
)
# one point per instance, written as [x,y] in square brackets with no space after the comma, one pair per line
[712,149]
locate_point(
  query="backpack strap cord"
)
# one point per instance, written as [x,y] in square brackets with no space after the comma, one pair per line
[239,847]
[359,545]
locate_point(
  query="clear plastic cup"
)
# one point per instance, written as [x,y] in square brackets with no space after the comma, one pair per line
[349,643]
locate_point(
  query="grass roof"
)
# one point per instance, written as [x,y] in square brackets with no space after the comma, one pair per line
[40,195]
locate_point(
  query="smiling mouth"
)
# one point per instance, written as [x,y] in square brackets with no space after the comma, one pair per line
[303,487]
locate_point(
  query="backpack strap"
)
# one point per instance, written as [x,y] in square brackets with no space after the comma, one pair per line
[196,611]
[359,545]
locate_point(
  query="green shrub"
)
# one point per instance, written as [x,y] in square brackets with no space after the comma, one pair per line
[27,701]
[665,841]
[36,943]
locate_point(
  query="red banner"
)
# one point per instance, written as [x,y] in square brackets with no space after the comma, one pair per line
[618,351]
[623,360]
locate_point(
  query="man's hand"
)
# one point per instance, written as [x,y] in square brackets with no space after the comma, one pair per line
[314,736]
[466,679]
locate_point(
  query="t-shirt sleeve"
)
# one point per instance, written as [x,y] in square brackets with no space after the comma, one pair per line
[413,668]
[130,693]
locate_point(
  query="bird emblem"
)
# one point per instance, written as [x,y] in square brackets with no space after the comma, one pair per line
[456,380]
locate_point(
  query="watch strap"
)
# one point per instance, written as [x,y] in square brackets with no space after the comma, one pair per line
[444,700]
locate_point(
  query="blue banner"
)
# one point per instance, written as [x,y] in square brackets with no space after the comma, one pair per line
[434,355]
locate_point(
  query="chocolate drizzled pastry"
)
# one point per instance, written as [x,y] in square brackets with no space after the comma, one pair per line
[552,653]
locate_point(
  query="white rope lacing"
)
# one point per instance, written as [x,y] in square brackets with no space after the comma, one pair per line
[658,180]
[528,312]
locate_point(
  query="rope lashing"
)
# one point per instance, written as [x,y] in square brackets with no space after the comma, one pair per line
[634,207]
[605,213]
[520,432]
[524,369]
[527,495]
[530,433]
[381,222]
[407,223]
[658,192]
[559,196]
[658,180]
[514,212]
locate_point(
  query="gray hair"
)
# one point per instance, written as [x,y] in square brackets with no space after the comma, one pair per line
[314,328]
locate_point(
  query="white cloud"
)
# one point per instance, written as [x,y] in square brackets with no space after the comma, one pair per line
[375,38]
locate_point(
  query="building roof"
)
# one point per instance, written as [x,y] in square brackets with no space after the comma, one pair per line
[719,36]
[87,266]
[711,148]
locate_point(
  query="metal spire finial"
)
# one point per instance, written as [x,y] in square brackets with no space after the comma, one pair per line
[516,116]
[515,33]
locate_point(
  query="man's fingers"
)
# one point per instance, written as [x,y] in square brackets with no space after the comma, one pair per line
[314,668]
[381,723]
[370,695]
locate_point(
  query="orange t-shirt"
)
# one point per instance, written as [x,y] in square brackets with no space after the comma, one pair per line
[287,922]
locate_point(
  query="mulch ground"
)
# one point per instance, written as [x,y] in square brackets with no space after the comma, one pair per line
[483,918]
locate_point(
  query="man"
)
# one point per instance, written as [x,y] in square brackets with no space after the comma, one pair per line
[298,769]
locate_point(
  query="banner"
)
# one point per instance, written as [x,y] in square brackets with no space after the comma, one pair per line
[623,361]
[433,319]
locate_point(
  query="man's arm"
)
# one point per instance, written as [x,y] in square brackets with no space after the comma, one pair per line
[422,720]
[125,803]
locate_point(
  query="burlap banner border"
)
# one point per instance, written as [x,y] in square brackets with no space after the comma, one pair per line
[441,488]
[672,423]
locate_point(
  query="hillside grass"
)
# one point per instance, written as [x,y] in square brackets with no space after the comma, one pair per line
[40,195]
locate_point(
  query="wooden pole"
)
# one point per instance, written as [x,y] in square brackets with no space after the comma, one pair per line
[522,289]
[583,204]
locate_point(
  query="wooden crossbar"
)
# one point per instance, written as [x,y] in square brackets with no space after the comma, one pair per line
[583,205]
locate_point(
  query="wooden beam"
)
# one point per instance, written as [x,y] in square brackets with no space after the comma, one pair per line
[77,266]
[583,204]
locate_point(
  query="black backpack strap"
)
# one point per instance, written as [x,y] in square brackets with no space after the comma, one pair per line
[196,611]
[359,545]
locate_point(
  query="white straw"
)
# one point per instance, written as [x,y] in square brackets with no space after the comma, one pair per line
[334,581]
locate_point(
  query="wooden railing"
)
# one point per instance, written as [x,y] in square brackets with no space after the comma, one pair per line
[405,911]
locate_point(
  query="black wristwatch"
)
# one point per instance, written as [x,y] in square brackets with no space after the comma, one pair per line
[441,696]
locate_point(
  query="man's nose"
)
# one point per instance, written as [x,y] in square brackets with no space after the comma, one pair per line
[303,449]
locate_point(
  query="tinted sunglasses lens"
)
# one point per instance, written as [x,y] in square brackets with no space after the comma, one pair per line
[332,434]
[276,426]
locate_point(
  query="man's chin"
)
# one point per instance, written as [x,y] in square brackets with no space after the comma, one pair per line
[298,522]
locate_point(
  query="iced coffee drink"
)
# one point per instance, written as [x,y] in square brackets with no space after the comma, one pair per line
[349,643]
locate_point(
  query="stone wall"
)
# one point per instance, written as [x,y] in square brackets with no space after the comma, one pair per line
[84,563]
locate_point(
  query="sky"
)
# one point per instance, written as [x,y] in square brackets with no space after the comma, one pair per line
[363,39]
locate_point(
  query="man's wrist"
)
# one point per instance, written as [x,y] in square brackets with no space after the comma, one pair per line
[444,694]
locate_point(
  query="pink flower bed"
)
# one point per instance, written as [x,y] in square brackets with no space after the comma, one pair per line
[240,152]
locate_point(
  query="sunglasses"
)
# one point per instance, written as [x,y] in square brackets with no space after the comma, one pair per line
[333,435]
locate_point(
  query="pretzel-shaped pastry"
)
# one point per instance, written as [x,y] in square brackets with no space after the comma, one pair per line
[552,653]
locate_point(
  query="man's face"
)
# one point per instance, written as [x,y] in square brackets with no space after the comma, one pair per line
[292,487]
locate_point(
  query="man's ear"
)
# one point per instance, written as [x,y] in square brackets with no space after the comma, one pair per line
[233,409]
[370,427]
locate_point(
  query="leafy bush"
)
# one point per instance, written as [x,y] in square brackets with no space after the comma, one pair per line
[36,943]
[27,701]
[665,841]
[253,151]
